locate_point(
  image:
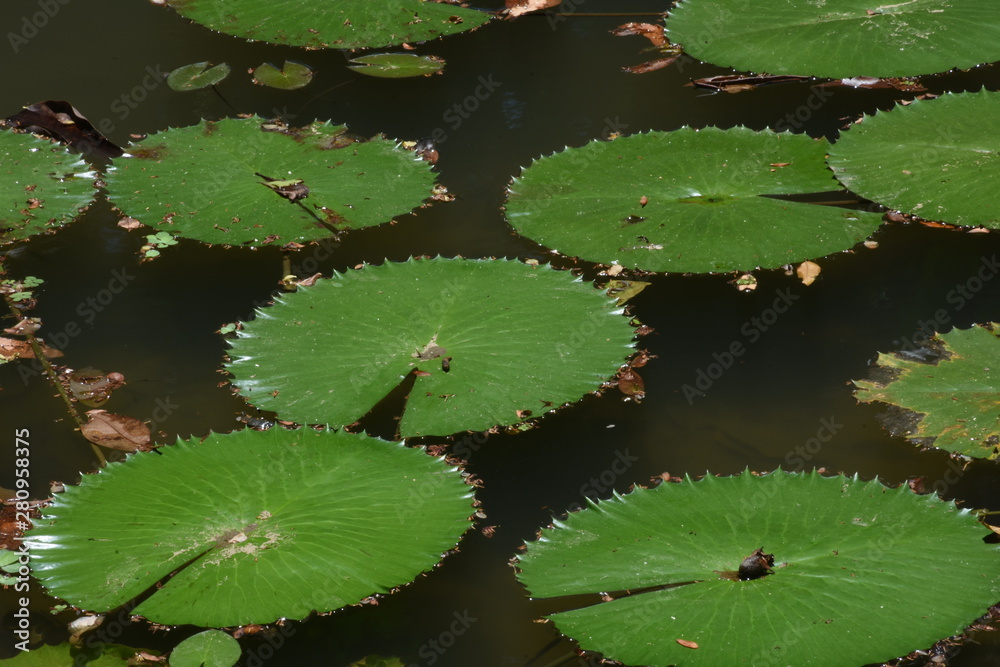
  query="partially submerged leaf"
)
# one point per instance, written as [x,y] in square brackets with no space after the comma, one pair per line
[396,65]
[197,76]
[955,398]
[126,434]
[485,339]
[846,557]
[336,24]
[517,8]
[291,76]
[204,182]
[714,201]
[60,120]
[254,526]
[837,40]
[935,159]
[43,185]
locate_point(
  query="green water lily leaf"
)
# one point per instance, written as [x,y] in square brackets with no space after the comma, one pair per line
[957,398]
[848,38]
[855,566]
[489,342]
[212,648]
[689,201]
[197,76]
[291,76]
[936,159]
[213,182]
[43,186]
[91,654]
[337,24]
[254,526]
[396,65]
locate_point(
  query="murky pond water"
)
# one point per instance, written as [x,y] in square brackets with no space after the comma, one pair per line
[511,92]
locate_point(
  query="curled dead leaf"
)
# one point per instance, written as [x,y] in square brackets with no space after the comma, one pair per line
[631,384]
[517,8]
[126,434]
[689,644]
[129,223]
[27,325]
[654,33]
[19,349]
[808,272]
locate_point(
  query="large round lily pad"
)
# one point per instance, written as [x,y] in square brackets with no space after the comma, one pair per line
[936,159]
[689,200]
[846,38]
[856,567]
[254,525]
[43,186]
[338,24]
[255,182]
[957,398]
[491,342]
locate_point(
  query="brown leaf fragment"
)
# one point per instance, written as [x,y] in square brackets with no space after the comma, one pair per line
[689,644]
[654,33]
[734,83]
[808,272]
[517,8]
[19,349]
[126,434]
[651,66]
[27,325]
[61,121]
[129,223]
[630,383]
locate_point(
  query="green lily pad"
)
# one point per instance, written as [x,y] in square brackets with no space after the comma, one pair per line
[396,65]
[337,24]
[91,654]
[216,181]
[490,341]
[689,201]
[197,76]
[936,159]
[44,186]
[291,76]
[957,398]
[847,38]
[212,648]
[849,557]
[254,525]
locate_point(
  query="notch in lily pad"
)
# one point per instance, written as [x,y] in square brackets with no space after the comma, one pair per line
[396,65]
[832,566]
[197,76]
[291,76]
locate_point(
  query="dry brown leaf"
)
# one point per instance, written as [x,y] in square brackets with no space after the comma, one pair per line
[807,272]
[517,8]
[684,642]
[126,434]
[630,383]
[654,33]
[19,349]
[129,223]
[651,66]
[27,325]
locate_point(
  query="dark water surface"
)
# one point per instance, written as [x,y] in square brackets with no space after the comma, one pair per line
[545,83]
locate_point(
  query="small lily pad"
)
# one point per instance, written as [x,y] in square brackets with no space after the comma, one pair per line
[396,65]
[291,76]
[953,391]
[212,648]
[196,76]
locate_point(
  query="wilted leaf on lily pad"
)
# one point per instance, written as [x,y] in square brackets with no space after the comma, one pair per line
[849,38]
[258,526]
[396,65]
[491,342]
[856,566]
[937,159]
[42,184]
[689,200]
[957,398]
[213,181]
[291,76]
[197,76]
[211,648]
[337,24]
